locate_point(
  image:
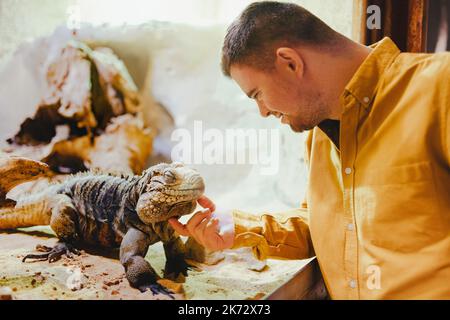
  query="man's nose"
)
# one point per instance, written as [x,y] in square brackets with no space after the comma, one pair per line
[263,110]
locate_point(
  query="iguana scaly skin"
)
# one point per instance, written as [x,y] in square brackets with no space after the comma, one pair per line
[108,211]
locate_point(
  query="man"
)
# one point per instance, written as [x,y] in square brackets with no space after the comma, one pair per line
[377,211]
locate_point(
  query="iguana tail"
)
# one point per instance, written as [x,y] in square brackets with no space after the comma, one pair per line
[32,211]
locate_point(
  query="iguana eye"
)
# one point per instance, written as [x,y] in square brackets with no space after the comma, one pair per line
[169,175]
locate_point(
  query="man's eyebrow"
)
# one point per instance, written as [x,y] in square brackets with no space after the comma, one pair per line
[251,93]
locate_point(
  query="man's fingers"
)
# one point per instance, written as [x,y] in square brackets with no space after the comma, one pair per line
[200,231]
[210,234]
[196,219]
[205,202]
[207,231]
[189,228]
[180,228]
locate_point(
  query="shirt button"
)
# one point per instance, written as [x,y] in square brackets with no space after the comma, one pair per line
[366,99]
[350,227]
[348,170]
[352,284]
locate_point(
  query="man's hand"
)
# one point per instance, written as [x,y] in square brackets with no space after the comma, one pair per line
[213,230]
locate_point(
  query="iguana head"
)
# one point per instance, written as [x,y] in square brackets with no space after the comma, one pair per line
[171,190]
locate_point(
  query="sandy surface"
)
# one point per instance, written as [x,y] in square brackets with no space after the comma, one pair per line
[95,276]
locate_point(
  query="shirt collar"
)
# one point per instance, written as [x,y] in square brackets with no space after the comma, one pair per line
[364,84]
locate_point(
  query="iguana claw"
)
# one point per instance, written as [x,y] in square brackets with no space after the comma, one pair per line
[52,254]
[156,289]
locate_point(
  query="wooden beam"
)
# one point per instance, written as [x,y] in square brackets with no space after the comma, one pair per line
[359,21]
[417,25]
[404,21]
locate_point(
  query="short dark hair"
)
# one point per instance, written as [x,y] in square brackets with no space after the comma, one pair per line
[251,39]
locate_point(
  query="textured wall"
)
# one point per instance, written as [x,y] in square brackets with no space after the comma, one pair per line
[24,20]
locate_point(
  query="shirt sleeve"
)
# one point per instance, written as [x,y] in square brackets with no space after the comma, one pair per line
[283,235]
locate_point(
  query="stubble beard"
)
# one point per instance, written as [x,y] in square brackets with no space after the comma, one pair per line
[317,113]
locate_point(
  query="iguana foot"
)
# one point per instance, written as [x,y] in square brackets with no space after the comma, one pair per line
[176,267]
[156,288]
[52,254]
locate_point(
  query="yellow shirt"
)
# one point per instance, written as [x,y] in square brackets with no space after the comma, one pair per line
[377,211]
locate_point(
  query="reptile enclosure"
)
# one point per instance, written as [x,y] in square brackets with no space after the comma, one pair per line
[178,82]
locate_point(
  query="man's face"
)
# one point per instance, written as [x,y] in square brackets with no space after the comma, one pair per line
[285,92]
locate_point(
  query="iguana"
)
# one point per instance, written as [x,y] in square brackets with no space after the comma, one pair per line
[108,211]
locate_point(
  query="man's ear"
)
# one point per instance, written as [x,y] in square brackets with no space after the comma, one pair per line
[290,59]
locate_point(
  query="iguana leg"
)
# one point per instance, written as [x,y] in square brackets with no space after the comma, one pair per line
[139,272]
[63,223]
[175,254]
[174,250]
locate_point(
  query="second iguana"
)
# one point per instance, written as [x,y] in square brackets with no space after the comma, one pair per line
[109,211]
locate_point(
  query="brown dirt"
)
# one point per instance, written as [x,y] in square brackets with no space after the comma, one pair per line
[94,276]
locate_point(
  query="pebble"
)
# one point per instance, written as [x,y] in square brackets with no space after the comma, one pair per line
[78,287]
[111,282]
